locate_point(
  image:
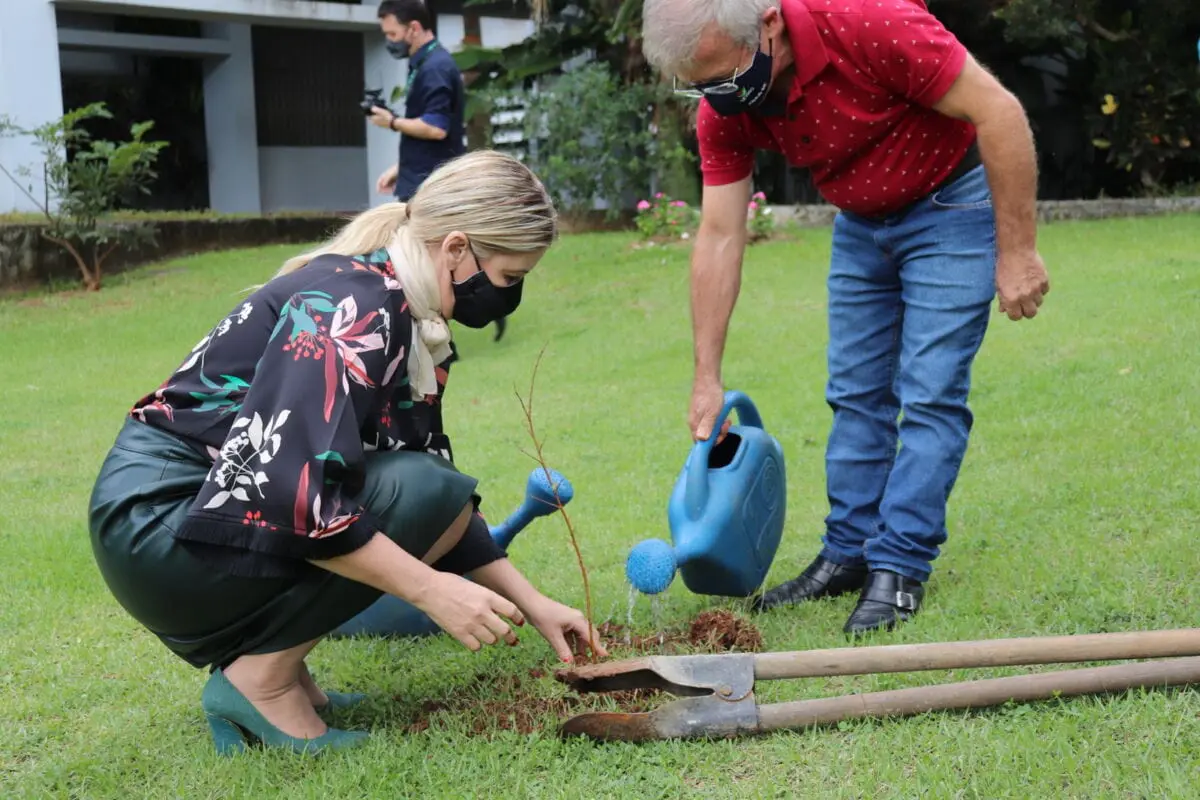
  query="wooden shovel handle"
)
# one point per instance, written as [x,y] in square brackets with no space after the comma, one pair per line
[980,694]
[984,653]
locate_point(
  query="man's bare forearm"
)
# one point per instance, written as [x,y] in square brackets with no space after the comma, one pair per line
[716,281]
[418,129]
[1010,159]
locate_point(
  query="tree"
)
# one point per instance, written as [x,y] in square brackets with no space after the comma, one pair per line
[85,180]
[593,137]
[1112,87]
[1137,59]
[634,122]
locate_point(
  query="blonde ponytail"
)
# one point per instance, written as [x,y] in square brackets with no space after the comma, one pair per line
[362,235]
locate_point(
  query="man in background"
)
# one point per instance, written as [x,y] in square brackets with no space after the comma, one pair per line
[432,128]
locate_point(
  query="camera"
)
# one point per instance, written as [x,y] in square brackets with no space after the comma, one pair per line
[372,98]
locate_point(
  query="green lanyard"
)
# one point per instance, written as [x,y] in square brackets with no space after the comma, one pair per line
[414,66]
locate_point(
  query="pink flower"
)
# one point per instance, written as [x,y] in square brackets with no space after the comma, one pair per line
[760,196]
[658,196]
[679,204]
[753,206]
[643,205]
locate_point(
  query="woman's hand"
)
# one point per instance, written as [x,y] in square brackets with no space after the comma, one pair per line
[387,179]
[469,612]
[566,629]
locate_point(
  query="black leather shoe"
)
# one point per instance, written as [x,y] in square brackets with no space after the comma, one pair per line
[888,598]
[821,578]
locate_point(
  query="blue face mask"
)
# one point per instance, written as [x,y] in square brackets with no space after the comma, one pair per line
[745,92]
[399,49]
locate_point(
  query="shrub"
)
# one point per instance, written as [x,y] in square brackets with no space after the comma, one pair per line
[592,137]
[85,179]
[759,218]
[665,218]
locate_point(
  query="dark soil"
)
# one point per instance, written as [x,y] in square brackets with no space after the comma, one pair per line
[718,631]
[533,701]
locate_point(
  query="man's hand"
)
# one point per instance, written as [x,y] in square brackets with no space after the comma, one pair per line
[1021,283]
[1007,149]
[387,180]
[382,117]
[707,399]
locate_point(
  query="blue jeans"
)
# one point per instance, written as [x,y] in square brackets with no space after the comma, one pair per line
[909,301]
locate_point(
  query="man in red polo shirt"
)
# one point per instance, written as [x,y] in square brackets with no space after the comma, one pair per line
[932,165]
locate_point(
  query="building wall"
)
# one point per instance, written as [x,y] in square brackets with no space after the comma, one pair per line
[343,178]
[229,123]
[244,173]
[30,91]
[312,178]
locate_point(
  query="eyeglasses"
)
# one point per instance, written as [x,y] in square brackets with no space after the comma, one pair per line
[717,87]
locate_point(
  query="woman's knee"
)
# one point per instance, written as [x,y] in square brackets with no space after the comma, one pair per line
[451,536]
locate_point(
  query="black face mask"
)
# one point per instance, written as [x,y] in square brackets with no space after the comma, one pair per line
[399,49]
[478,302]
[747,91]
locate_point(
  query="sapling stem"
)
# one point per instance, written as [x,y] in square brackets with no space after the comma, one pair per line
[540,458]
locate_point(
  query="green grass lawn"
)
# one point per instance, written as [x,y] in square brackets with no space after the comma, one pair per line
[1076,512]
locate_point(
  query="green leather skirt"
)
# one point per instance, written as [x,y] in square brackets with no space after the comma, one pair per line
[145,488]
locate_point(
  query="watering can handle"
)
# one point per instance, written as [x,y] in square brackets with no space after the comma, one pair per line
[696,491]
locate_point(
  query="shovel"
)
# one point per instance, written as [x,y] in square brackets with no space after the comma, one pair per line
[718,690]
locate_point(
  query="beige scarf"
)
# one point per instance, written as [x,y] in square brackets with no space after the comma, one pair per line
[430,334]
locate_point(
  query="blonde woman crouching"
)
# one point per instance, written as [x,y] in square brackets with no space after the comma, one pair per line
[288,473]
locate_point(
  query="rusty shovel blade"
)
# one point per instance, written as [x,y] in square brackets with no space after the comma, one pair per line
[717,691]
[730,676]
[708,717]
[611,726]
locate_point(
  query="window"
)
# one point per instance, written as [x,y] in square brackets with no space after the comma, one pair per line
[307,87]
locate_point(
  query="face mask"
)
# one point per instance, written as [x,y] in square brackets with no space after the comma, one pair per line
[478,302]
[398,49]
[745,92]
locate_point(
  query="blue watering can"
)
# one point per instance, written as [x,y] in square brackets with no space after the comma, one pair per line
[726,513]
[391,616]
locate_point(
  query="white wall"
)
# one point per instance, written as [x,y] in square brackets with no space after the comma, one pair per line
[230,125]
[80,62]
[380,71]
[501,32]
[493,31]
[450,31]
[312,178]
[30,90]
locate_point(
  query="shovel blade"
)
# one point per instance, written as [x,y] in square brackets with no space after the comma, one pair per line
[691,718]
[612,726]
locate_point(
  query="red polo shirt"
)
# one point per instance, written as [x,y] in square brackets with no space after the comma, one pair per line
[859,113]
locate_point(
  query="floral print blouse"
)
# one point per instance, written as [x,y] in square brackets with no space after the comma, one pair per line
[285,396]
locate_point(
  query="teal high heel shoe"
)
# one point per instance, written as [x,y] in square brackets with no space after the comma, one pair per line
[234,722]
[341,701]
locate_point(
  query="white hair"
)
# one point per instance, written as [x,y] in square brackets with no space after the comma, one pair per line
[671,29]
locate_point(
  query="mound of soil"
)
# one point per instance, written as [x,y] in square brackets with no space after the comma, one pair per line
[720,630]
[526,703]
